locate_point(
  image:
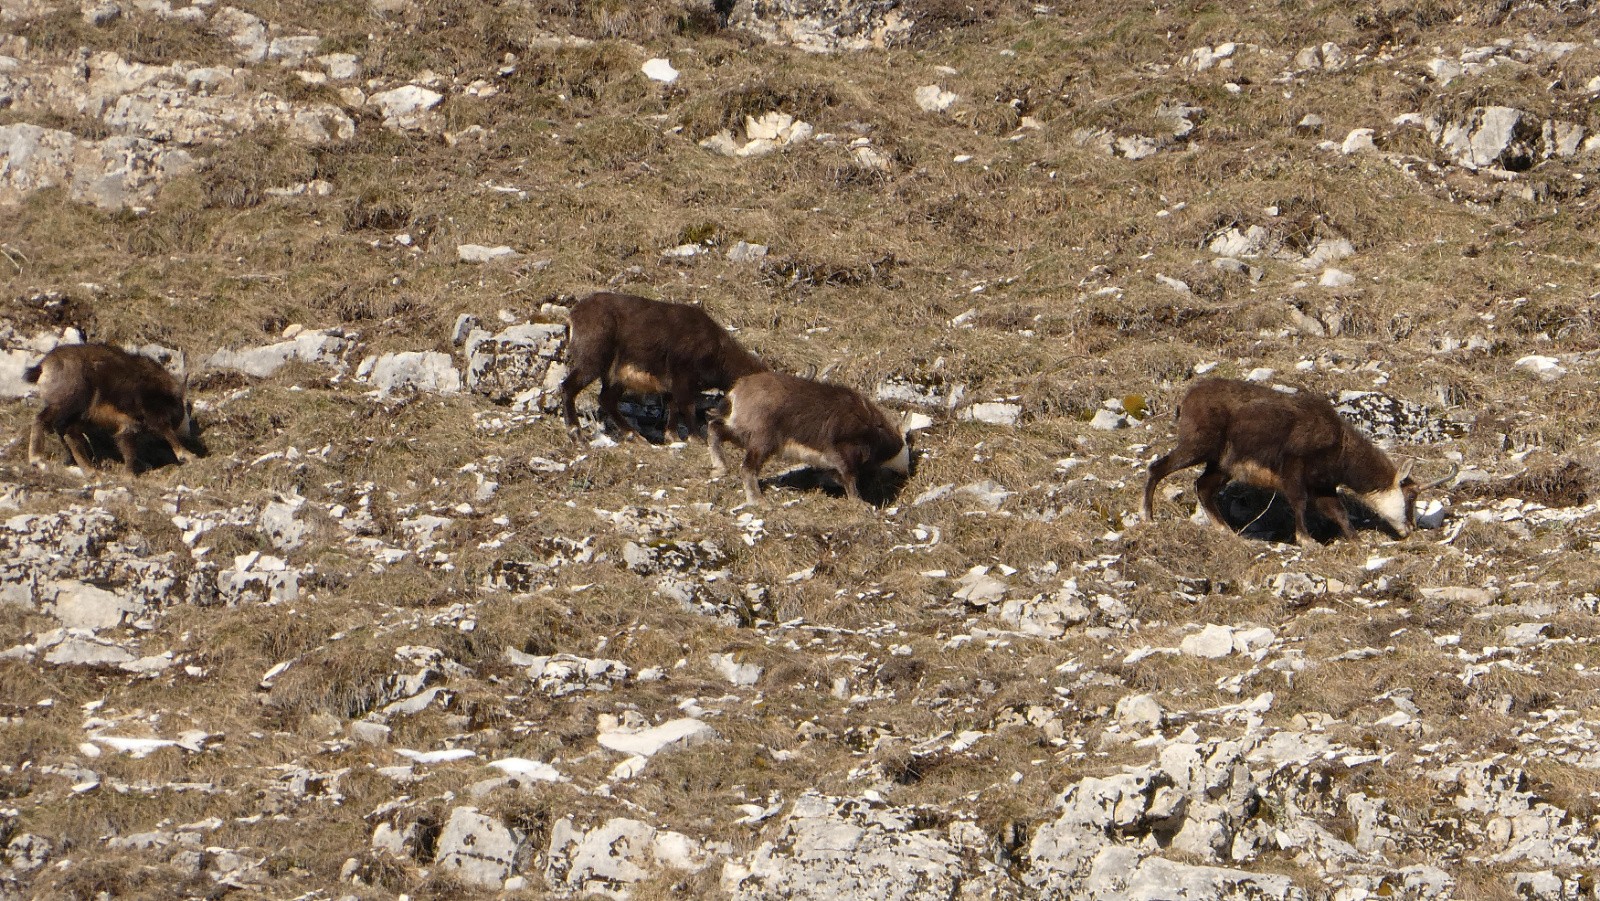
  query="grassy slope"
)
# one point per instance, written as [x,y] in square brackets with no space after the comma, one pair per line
[612,177]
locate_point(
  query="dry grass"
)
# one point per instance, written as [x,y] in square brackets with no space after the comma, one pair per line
[864,272]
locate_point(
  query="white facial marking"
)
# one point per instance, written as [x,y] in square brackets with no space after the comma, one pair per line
[1390,503]
[902,461]
[186,427]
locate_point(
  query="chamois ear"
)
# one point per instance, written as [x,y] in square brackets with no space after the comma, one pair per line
[1405,470]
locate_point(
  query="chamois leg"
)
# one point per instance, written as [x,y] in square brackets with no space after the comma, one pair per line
[1294,491]
[610,395]
[1206,487]
[850,467]
[76,441]
[1160,469]
[716,434]
[60,419]
[1331,506]
[681,410]
[583,373]
[754,459]
[36,438]
[127,438]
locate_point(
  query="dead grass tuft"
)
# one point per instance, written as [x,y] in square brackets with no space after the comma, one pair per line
[339,680]
[1559,484]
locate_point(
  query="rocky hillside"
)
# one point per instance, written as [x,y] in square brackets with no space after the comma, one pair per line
[398,635]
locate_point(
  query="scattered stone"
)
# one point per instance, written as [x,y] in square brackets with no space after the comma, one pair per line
[563,674]
[933,99]
[659,70]
[1336,278]
[520,366]
[993,413]
[772,131]
[742,675]
[1211,643]
[409,108]
[1547,368]
[1109,420]
[649,741]
[1492,136]
[1359,140]
[478,253]
[744,252]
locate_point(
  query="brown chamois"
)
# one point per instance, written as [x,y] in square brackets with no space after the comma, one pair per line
[1294,444]
[773,414]
[98,386]
[649,347]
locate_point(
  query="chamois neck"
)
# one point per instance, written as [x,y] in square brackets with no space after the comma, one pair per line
[741,362]
[1367,469]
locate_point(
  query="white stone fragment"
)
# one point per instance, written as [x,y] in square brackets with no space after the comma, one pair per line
[427,758]
[532,770]
[933,99]
[1359,140]
[1547,368]
[659,69]
[993,413]
[740,674]
[480,253]
[1212,642]
[647,742]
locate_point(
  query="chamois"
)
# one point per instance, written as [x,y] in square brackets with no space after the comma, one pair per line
[773,414]
[103,387]
[650,347]
[1294,444]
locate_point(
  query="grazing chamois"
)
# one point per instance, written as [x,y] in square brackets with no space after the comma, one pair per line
[106,388]
[774,414]
[1294,444]
[649,347]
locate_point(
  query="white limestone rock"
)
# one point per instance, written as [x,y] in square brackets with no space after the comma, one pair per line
[1489,136]
[318,347]
[479,253]
[478,849]
[824,26]
[113,173]
[993,413]
[428,371]
[610,858]
[659,69]
[830,848]
[521,366]
[559,675]
[1210,643]
[934,99]
[741,675]
[409,108]
[649,741]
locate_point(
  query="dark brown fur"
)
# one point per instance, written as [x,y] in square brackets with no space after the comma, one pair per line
[98,386]
[1295,444]
[649,347]
[772,414]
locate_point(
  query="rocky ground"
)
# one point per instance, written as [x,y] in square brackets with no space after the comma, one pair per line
[398,635]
